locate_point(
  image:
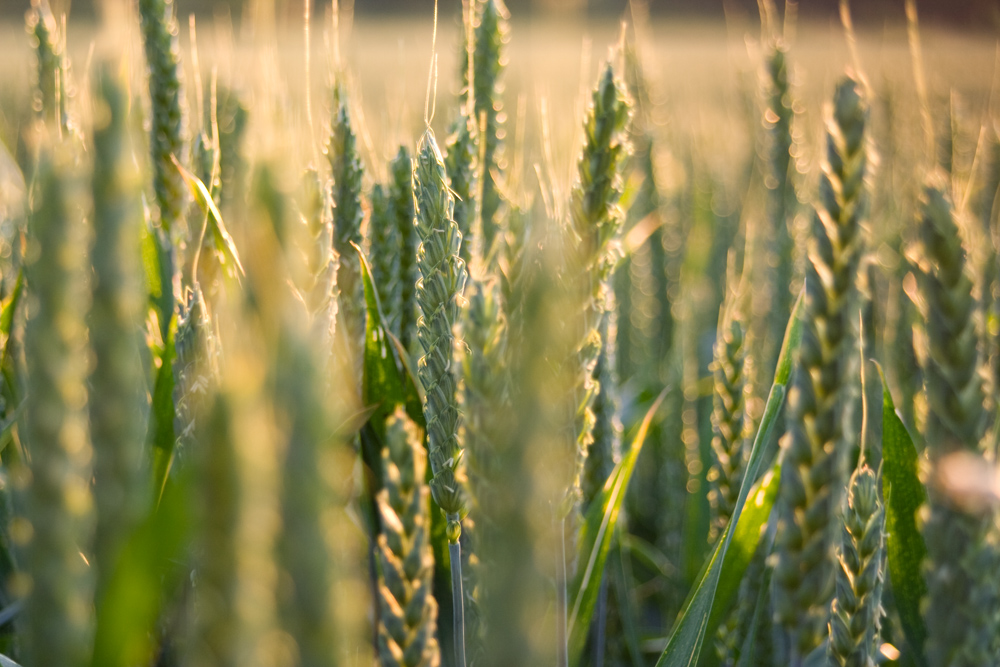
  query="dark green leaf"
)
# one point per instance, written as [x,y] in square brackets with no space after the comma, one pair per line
[595,540]
[905,548]
[161,419]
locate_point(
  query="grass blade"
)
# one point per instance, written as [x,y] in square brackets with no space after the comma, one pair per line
[595,540]
[223,241]
[688,636]
[904,494]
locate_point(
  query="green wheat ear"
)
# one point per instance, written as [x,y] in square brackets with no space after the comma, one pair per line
[595,221]
[442,280]
[492,34]
[385,251]
[159,36]
[815,446]
[856,612]
[407,608]
[962,553]
[116,422]
[461,163]
[59,505]
[401,202]
[322,260]
[730,437]
[781,198]
[50,84]
[345,167]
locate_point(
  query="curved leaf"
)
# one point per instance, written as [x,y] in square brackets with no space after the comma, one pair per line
[905,548]
[595,539]
[688,635]
[223,241]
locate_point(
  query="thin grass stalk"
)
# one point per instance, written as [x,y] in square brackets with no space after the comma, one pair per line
[116,411]
[159,36]
[815,446]
[58,524]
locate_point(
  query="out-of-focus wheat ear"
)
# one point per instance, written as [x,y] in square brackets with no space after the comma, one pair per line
[950,360]
[485,405]
[401,201]
[322,260]
[166,134]
[856,611]
[460,162]
[308,498]
[781,198]
[232,115]
[347,173]
[593,248]
[492,33]
[196,367]
[407,609]
[988,278]
[815,445]
[50,73]
[605,450]
[57,527]
[116,315]
[960,610]
[730,424]
[385,252]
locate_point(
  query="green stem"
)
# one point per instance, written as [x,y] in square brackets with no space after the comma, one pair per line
[457,595]
[562,635]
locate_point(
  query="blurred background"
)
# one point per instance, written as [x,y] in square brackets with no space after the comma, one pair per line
[970,14]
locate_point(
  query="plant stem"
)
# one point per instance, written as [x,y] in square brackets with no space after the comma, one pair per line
[601,623]
[562,634]
[457,595]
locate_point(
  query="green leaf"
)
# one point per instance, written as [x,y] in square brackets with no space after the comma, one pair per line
[151,563]
[595,539]
[7,314]
[161,434]
[759,623]
[746,539]
[688,635]
[905,548]
[223,241]
[388,380]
